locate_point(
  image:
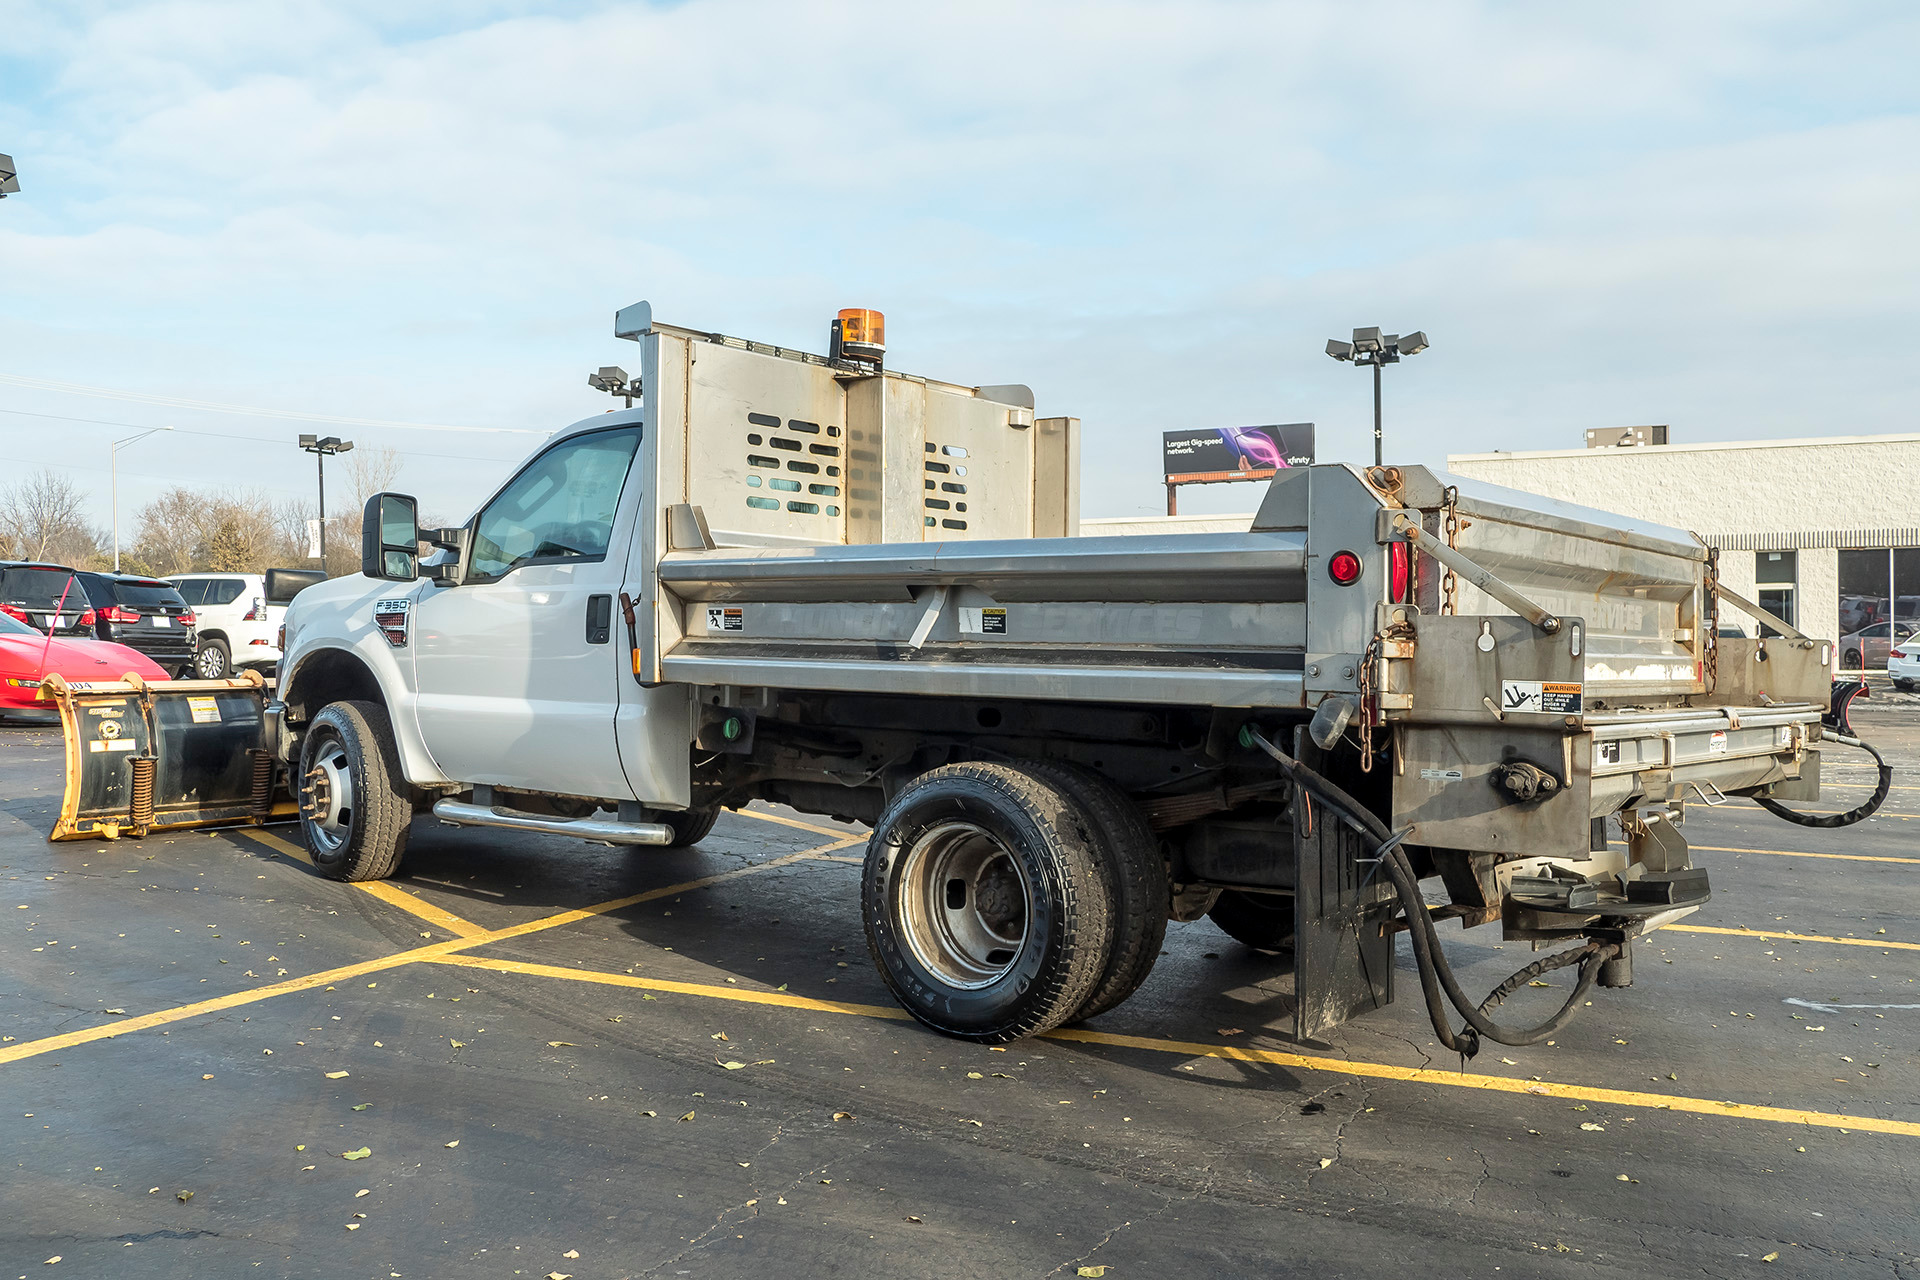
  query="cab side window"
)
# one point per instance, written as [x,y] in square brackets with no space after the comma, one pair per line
[224,590]
[559,509]
[193,591]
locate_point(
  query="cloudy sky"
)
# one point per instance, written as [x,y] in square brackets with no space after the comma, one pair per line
[1154,214]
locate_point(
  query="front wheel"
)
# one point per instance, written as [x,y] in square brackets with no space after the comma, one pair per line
[213,661]
[689,826]
[354,810]
[986,909]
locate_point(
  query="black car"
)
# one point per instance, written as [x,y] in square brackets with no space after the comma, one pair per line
[47,597]
[144,614]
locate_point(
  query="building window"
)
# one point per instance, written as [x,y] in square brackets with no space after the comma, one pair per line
[1879,604]
[1776,577]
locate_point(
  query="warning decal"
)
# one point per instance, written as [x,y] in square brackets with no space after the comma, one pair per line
[205,710]
[1555,698]
[984,621]
[725,618]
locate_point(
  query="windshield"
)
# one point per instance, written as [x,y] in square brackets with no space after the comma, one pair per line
[41,588]
[147,593]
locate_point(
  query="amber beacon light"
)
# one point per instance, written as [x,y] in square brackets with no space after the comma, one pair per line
[860,335]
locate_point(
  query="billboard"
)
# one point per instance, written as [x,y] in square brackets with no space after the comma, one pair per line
[1224,453]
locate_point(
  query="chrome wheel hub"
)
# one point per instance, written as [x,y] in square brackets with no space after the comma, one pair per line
[963,905]
[326,796]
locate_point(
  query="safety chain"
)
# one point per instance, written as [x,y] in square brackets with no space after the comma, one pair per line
[1710,642]
[1450,525]
[1397,631]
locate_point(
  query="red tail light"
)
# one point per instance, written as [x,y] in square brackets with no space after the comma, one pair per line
[257,612]
[119,613]
[17,614]
[1399,571]
[186,619]
[1344,568]
[86,619]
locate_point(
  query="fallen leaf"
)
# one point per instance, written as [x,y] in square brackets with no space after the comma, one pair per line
[719,1035]
[781,987]
[686,1117]
[299,1146]
[1537,983]
[1092,1271]
[331,1075]
[561,1044]
[733,1066]
[454,1143]
[913,1217]
[1591,1127]
[458,1044]
[210,1077]
[1324,1163]
[353,1226]
[361,1192]
[843,1115]
[183,1196]
[1621,1177]
[649,1113]
[559,1275]
[121,1012]
[1228,1031]
[571,1253]
[1538,1088]
[1769,1257]
[50,1261]
[362,1106]
[763,1062]
[975,1075]
[1510,1062]
[361,1154]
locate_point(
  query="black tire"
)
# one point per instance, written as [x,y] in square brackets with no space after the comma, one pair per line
[1904,686]
[986,910]
[1136,877]
[214,661]
[1852,661]
[1263,921]
[365,837]
[690,826]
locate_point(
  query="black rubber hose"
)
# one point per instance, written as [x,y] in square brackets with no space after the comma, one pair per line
[1851,816]
[1431,959]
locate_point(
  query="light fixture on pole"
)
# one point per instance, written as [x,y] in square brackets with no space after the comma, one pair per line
[613,380]
[113,467]
[322,448]
[1371,347]
[9,177]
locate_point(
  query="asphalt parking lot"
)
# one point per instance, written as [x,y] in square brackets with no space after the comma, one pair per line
[551,1059]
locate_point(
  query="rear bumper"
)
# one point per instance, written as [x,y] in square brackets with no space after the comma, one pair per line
[162,649]
[1904,668]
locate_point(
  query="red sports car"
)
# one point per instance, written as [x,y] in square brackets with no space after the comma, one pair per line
[27,656]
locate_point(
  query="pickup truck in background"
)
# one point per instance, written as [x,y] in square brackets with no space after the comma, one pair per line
[814,581]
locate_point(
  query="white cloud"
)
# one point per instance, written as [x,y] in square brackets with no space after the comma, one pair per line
[1153,213]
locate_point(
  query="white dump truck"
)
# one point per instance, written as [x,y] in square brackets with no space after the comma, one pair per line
[816,581]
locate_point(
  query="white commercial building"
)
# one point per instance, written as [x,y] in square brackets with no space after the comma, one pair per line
[1824,532]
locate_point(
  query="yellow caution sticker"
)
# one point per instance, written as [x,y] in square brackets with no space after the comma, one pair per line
[205,710]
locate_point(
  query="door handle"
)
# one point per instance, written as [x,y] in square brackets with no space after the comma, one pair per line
[599,619]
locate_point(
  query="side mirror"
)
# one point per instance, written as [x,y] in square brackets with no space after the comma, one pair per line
[284,584]
[390,538]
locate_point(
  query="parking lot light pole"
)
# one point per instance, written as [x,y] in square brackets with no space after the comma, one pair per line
[1371,347]
[321,448]
[113,468]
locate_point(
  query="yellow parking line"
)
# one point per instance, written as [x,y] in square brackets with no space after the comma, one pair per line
[1801,853]
[1272,1057]
[381,889]
[1881,943]
[795,822]
[415,955]
[783,999]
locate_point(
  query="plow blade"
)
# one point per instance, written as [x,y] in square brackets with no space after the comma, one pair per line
[146,757]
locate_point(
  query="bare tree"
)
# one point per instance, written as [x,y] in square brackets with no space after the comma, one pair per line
[167,531]
[44,517]
[186,529]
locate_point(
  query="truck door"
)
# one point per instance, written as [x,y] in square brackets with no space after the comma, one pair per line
[517,668]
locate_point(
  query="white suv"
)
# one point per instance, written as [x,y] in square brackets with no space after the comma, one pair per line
[238,628]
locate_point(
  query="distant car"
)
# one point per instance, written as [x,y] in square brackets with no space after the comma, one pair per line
[143,613]
[28,657]
[1873,646]
[238,628]
[46,597]
[1903,663]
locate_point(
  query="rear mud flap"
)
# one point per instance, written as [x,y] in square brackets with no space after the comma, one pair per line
[1343,909]
[143,757]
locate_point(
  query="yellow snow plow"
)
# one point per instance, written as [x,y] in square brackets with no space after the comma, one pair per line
[145,757]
